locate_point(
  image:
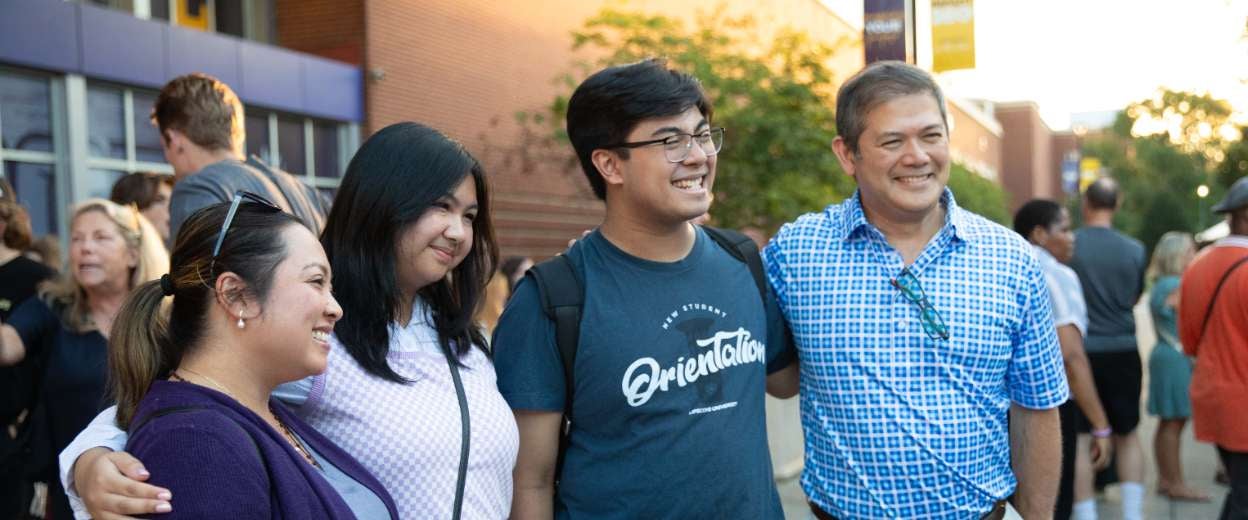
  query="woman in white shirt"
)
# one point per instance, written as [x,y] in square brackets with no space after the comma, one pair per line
[411,245]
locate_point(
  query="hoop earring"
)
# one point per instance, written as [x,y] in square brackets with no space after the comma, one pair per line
[241,323]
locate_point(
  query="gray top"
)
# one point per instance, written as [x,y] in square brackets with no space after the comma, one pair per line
[218,181]
[1111,267]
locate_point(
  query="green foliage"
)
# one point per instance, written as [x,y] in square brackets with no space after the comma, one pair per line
[979,195]
[1158,180]
[775,99]
[1194,123]
[1235,164]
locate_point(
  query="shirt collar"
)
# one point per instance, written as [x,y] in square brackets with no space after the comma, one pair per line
[1044,256]
[855,219]
[1232,241]
[421,316]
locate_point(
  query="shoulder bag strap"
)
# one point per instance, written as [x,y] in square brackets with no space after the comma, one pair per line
[1216,291]
[465,437]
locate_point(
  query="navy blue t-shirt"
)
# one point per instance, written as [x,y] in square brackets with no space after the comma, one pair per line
[670,377]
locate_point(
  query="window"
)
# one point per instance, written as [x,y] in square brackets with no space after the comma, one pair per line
[27,145]
[249,19]
[306,147]
[121,138]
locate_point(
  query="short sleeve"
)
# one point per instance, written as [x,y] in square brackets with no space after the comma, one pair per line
[526,357]
[780,349]
[1063,312]
[101,432]
[202,462]
[1036,378]
[774,265]
[35,323]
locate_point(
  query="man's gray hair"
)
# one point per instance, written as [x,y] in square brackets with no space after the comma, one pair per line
[880,82]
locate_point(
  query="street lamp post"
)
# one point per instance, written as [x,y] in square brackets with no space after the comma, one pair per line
[1202,191]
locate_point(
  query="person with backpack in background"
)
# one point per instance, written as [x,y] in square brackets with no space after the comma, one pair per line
[637,362]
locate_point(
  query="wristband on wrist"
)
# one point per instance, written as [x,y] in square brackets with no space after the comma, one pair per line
[1103,432]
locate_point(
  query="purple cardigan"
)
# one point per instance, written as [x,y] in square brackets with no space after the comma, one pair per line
[221,460]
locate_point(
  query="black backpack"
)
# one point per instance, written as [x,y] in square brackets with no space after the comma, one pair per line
[563,295]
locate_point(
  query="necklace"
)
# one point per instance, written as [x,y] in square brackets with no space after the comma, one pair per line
[290,436]
[214,382]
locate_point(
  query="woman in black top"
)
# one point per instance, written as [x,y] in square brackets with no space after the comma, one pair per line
[18,278]
[112,250]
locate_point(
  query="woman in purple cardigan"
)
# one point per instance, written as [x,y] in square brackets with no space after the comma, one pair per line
[249,307]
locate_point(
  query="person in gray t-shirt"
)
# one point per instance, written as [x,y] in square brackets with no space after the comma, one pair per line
[201,127]
[1111,267]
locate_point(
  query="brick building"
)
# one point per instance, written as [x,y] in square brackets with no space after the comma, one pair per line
[316,75]
[77,78]
[1029,168]
[467,67]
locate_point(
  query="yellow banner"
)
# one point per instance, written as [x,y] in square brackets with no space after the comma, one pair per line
[953,35]
[1089,170]
[193,14]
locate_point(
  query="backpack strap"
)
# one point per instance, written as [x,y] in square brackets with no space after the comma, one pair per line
[744,249]
[562,296]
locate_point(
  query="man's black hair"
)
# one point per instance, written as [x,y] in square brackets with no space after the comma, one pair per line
[608,105]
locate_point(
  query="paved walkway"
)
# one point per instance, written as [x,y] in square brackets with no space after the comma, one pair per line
[1199,464]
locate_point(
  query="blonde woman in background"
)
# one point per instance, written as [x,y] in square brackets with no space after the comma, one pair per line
[112,250]
[1169,370]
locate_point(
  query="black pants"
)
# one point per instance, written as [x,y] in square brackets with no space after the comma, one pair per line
[1236,505]
[1069,413]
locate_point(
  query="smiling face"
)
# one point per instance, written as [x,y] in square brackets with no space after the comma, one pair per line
[435,243]
[99,257]
[902,162]
[299,313]
[657,188]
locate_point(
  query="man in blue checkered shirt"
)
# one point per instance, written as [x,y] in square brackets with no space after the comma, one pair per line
[920,327]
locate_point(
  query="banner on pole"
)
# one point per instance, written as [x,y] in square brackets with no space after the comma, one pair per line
[885,31]
[953,35]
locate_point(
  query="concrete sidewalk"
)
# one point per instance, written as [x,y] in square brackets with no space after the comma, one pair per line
[1199,459]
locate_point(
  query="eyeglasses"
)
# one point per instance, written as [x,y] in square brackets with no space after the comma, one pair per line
[929,317]
[677,147]
[229,219]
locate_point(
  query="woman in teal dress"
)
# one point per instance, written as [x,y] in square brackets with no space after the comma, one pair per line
[1169,369]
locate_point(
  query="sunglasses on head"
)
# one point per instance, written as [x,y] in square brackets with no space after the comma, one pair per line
[229,219]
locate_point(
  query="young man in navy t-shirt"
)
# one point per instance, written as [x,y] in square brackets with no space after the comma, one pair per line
[675,342]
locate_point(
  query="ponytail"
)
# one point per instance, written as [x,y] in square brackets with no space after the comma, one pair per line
[149,336]
[139,349]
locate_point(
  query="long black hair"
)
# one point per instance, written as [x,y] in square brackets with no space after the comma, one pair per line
[397,174]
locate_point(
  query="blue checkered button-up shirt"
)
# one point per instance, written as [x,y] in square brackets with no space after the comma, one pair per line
[897,424]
